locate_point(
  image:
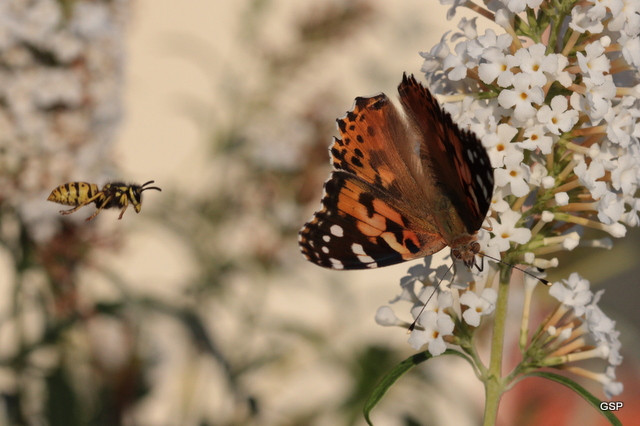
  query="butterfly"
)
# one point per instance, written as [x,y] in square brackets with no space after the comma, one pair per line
[405,185]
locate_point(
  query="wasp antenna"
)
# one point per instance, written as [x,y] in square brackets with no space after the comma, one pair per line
[151,187]
[542,280]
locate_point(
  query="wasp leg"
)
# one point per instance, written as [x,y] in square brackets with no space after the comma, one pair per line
[84,203]
[123,210]
[71,210]
[106,201]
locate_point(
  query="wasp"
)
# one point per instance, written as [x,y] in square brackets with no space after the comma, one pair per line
[113,194]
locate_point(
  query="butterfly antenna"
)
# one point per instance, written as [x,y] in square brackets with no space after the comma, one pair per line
[415,321]
[542,280]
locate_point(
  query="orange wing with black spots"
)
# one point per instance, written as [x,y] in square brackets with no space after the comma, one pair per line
[359,227]
[376,146]
[389,199]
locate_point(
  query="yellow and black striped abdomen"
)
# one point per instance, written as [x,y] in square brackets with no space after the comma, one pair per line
[73,193]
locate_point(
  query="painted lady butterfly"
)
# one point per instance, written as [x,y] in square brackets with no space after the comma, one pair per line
[402,188]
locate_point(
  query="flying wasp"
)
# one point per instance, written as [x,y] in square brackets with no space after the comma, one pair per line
[113,194]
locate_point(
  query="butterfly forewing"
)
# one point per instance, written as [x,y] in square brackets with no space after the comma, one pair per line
[402,188]
[376,146]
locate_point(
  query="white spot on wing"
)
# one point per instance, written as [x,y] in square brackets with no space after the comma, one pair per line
[336,264]
[325,249]
[358,250]
[336,230]
[326,238]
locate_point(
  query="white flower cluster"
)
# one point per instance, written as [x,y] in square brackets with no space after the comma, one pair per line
[556,102]
[585,325]
[60,95]
[437,319]
[560,121]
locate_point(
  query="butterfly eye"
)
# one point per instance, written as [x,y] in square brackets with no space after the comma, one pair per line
[475,247]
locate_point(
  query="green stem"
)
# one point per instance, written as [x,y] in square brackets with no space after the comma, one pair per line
[494,383]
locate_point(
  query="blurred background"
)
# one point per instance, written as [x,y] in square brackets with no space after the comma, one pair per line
[200,310]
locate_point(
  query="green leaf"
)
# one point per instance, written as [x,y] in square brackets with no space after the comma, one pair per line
[595,402]
[394,375]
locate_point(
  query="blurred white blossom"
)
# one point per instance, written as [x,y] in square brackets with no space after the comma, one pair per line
[61,98]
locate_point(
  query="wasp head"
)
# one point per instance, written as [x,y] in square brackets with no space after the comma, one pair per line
[136,194]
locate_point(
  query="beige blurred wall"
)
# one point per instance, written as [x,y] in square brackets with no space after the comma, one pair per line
[158,141]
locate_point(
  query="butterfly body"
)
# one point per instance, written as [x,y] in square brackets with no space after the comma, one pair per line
[403,186]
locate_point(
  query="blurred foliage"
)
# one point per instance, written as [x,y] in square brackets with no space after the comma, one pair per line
[61,377]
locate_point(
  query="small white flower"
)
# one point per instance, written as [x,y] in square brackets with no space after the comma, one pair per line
[517,6]
[628,19]
[631,217]
[630,49]
[479,305]
[611,387]
[469,30]
[538,173]
[386,317]
[582,22]
[625,176]
[499,145]
[602,329]
[495,67]
[534,63]
[622,122]
[435,300]
[599,98]
[556,118]
[514,175]
[598,9]
[536,138]
[595,63]
[434,58]
[498,203]
[522,97]
[589,176]
[433,327]
[506,231]
[573,292]
[561,76]
[454,5]
[610,208]
[459,63]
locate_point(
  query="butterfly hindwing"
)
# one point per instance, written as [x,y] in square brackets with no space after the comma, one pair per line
[358,227]
[459,163]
